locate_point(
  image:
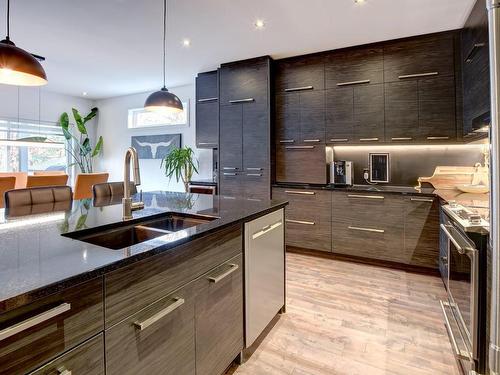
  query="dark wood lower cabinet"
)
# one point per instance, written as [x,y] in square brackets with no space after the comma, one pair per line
[219,317]
[301,163]
[159,339]
[85,359]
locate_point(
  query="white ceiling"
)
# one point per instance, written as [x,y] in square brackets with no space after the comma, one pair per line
[113,47]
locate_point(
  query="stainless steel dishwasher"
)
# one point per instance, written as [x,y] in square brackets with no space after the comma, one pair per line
[264,273]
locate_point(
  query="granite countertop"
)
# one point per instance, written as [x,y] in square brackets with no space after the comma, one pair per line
[35,259]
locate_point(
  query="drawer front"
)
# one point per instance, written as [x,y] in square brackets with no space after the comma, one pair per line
[159,339]
[308,234]
[219,317]
[85,359]
[306,204]
[376,241]
[50,326]
[302,164]
[134,287]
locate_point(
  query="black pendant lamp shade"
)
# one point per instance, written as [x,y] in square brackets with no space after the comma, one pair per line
[18,67]
[163,100]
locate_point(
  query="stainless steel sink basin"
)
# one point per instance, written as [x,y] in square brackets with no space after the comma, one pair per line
[131,234]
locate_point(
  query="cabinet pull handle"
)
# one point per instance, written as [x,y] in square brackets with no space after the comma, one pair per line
[367,229]
[353,82]
[216,279]
[207,143]
[63,371]
[473,51]
[300,192]
[266,229]
[437,138]
[458,353]
[428,200]
[418,75]
[33,321]
[365,196]
[401,138]
[312,140]
[254,169]
[287,141]
[230,174]
[368,139]
[247,100]
[207,100]
[229,168]
[298,88]
[299,147]
[300,222]
[178,302]
[254,174]
[339,140]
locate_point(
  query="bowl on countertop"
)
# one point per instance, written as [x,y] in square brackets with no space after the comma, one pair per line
[474,189]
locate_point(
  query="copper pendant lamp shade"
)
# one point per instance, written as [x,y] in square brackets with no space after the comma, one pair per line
[163,100]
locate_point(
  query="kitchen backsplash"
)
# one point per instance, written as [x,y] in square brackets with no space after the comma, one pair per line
[407,163]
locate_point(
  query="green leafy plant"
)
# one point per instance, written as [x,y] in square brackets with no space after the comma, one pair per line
[79,146]
[181,163]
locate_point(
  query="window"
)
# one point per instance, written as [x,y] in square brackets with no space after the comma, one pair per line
[140,118]
[28,146]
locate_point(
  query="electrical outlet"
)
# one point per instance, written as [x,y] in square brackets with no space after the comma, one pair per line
[366,175]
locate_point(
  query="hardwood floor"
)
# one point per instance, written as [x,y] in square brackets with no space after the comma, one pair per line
[347,318]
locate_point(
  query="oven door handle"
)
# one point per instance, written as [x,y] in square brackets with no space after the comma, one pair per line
[462,249]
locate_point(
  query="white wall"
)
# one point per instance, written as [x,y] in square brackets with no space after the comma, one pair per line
[112,125]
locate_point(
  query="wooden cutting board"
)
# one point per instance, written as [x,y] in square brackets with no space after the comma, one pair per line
[445,177]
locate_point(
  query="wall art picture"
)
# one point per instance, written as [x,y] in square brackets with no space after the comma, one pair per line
[155,146]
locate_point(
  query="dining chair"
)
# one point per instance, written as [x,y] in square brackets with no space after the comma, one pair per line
[20,202]
[110,193]
[53,180]
[6,184]
[48,173]
[21,178]
[84,183]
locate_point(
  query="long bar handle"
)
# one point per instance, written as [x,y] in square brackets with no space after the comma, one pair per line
[207,143]
[461,249]
[339,139]
[365,196]
[230,174]
[300,192]
[437,138]
[254,169]
[473,51]
[428,200]
[302,88]
[401,138]
[247,100]
[229,168]
[353,82]
[142,325]
[266,229]
[299,147]
[287,141]
[368,139]
[418,75]
[361,229]
[216,279]
[312,140]
[457,351]
[300,222]
[207,100]
[33,321]
[254,174]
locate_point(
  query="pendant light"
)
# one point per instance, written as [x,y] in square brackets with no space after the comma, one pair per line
[163,100]
[18,67]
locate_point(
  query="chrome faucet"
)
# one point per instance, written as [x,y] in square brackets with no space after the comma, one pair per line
[128,205]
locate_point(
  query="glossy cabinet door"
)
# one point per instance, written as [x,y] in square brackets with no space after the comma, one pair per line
[256,137]
[287,118]
[50,326]
[301,163]
[401,111]
[159,339]
[219,317]
[85,359]
[354,66]
[231,138]
[207,110]
[340,115]
[422,231]
[299,74]
[368,113]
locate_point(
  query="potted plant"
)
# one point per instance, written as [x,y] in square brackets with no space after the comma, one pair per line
[182,163]
[79,146]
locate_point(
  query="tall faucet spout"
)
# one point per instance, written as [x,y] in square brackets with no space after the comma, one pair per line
[128,206]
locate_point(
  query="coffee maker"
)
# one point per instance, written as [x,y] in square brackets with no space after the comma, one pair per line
[341,172]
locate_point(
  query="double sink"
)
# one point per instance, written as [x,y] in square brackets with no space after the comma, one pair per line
[131,234]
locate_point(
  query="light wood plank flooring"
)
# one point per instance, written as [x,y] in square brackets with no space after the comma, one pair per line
[347,318]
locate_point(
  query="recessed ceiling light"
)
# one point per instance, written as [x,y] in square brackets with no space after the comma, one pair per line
[360,1]
[186,42]
[260,24]
[84,93]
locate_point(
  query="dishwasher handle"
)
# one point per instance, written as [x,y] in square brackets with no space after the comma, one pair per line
[266,229]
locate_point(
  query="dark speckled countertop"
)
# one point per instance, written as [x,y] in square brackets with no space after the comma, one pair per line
[36,260]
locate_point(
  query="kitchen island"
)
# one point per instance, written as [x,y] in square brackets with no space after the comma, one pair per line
[74,299]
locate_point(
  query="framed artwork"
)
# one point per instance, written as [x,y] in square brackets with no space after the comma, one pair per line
[155,146]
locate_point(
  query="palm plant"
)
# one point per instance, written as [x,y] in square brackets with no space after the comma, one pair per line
[79,146]
[181,163]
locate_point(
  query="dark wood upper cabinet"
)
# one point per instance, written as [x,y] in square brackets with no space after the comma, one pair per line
[301,163]
[354,66]
[207,110]
[245,81]
[475,70]
[287,118]
[419,57]
[231,138]
[401,111]
[340,115]
[256,137]
[299,74]
[368,113]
